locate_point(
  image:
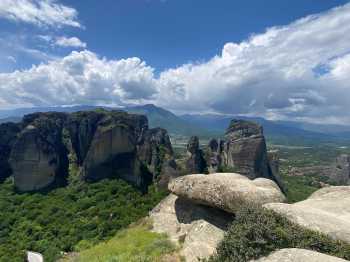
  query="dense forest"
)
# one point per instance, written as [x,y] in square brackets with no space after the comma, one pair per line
[68,219]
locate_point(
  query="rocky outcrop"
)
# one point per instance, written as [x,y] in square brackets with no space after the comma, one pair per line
[327,211]
[214,155]
[112,151]
[243,151]
[38,157]
[226,191]
[198,228]
[8,135]
[102,144]
[195,214]
[156,152]
[195,163]
[298,255]
[341,171]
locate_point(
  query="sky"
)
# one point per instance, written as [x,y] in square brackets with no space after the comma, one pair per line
[282,60]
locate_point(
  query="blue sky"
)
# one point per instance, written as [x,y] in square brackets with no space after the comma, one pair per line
[277,59]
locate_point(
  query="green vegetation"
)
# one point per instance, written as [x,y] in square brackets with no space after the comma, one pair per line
[68,219]
[134,244]
[298,187]
[257,232]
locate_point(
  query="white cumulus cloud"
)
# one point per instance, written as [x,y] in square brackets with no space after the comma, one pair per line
[39,12]
[70,42]
[299,71]
[79,78]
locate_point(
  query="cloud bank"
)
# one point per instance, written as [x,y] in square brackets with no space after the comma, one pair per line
[39,12]
[300,71]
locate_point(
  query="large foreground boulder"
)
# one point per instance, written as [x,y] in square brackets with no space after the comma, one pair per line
[198,229]
[327,211]
[298,255]
[226,191]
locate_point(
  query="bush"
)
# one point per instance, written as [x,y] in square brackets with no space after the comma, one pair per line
[257,231]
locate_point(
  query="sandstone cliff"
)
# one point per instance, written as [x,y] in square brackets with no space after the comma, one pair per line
[243,151]
[40,151]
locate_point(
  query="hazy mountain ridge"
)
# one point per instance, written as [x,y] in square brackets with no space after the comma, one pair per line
[207,125]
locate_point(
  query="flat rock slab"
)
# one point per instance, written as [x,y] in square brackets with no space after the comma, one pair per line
[197,228]
[298,255]
[327,211]
[226,191]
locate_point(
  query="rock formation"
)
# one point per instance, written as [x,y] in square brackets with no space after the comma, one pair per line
[156,152]
[199,228]
[8,134]
[38,157]
[298,255]
[195,163]
[341,171]
[213,155]
[243,151]
[226,191]
[327,210]
[100,143]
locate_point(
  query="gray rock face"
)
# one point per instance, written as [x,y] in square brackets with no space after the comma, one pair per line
[341,172]
[8,135]
[112,152]
[245,149]
[156,152]
[197,228]
[298,255]
[195,163]
[327,211]
[38,157]
[101,143]
[226,191]
[213,155]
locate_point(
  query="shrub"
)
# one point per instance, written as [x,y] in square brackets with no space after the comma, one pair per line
[257,231]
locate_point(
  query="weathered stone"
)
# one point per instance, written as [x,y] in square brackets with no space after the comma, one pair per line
[8,136]
[245,151]
[101,144]
[38,157]
[195,163]
[156,152]
[197,228]
[226,191]
[327,211]
[213,155]
[298,255]
[341,172]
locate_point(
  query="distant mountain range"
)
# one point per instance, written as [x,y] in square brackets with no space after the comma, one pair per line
[210,125]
